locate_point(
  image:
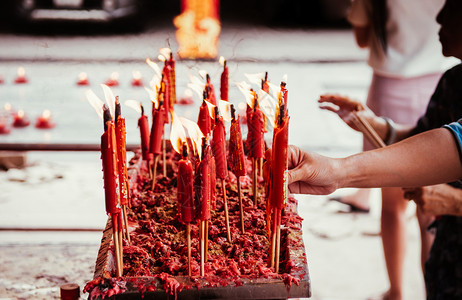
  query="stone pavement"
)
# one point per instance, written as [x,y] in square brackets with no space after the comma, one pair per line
[64,190]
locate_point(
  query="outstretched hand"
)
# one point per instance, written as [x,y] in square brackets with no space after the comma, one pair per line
[308,173]
[343,106]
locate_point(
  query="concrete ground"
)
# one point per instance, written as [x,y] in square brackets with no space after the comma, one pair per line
[64,190]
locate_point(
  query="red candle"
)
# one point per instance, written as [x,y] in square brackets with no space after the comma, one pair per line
[219,147]
[113,79]
[122,155]
[4,127]
[279,162]
[44,121]
[202,186]
[143,124]
[21,76]
[157,130]
[250,128]
[20,119]
[165,97]
[83,79]
[204,119]
[136,80]
[185,188]
[224,83]
[109,158]
[210,91]
[213,183]
[236,147]
[172,80]
[264,84]
[257,147]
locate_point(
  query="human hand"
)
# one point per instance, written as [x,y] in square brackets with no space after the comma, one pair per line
[308,173]
[441,199]
[344,106]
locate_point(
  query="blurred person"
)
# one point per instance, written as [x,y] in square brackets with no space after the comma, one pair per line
[427,158]
[407,63]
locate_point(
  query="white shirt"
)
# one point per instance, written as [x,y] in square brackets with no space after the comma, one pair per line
[412,37]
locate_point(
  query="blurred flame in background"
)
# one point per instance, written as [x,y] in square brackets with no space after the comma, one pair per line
[198,29]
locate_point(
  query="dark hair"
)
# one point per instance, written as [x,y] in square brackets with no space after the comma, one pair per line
[379,21]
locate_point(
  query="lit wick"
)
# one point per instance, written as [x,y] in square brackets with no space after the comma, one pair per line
[21,76]
[44,121]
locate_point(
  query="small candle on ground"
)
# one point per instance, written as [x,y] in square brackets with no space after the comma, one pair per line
[83,79]
[20,120]
[21,76]
[44,121]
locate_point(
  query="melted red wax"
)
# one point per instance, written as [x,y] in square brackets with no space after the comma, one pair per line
[158,247]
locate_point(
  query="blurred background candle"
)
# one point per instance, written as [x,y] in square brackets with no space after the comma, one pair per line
[21,76]
[83,79]
[113,79]
[44,121]
[4,126]
[137,80]
[20,119]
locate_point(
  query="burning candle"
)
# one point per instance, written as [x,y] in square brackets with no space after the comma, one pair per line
[82,79]
[257,148]
[44,120]
[279,160]
[219,146]
[236,147]
[21,76]
[20,119]
[224,86]
[157,130]
[210,91]
[113,79]
[136,79]
[204,119]
[109,159]
[172,80]
[164,96]
[185,188]
[202,183]
[143,124]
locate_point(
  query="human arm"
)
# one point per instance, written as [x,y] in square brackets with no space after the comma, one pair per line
[440,199]
[428,158]
[343,106]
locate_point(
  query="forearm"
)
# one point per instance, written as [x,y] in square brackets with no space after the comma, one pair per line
[425,159]
[384,131]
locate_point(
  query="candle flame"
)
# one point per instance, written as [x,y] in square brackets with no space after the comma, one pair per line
[154,66]
[211,109]
[21,72]
[46,114]
[177,134]
[197,33]
[136,75]
[20,113]
[202,73]
[195,134]
[161,58]
[244,87]
[152,96]
[7,106]
[110,98]
[222,60]
[268,106]
[165,52]
[225,110]
[114,76]
[95,102]
[255,78]
[134,105]
[82,76]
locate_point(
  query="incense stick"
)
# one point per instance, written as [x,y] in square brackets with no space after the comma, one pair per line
[241,207]
[366,128]
[225,200]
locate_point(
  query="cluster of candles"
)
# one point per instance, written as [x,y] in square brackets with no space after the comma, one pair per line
[113,80]
[19,119]
[197,184]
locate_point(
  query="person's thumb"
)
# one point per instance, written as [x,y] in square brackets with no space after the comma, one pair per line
[295,174]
